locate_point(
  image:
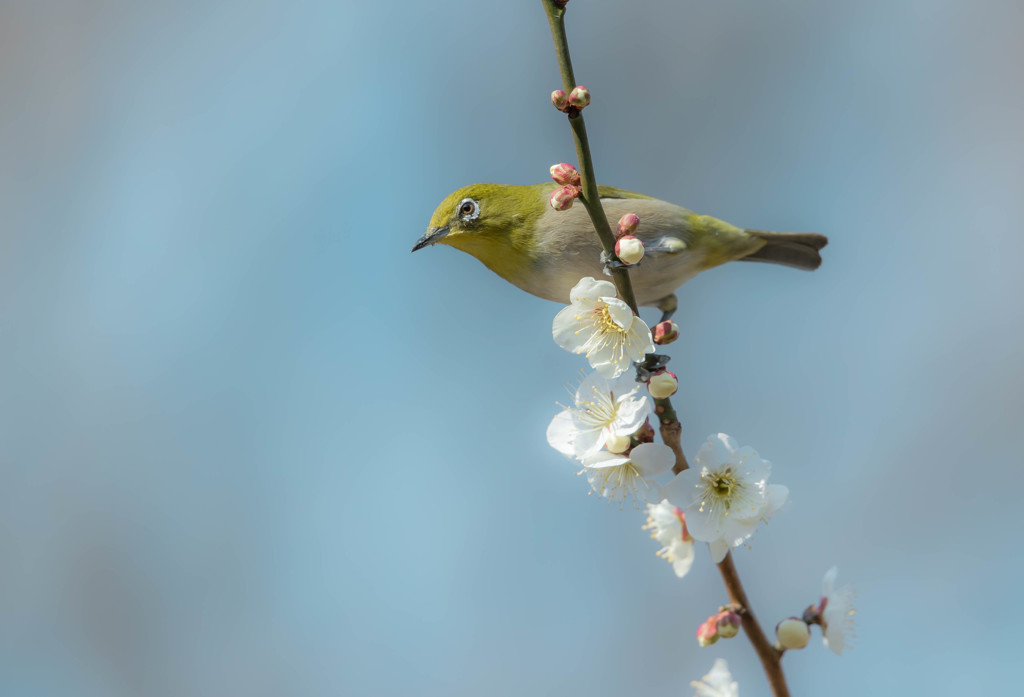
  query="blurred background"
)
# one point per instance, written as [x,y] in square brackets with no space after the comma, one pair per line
[250,445]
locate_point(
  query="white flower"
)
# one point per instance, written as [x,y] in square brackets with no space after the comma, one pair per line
[602,326]
[726,494]
[837,612]
[668,526]
[617,476]
[604,411]
[718,682]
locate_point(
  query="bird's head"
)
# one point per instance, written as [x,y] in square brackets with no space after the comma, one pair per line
[487,220]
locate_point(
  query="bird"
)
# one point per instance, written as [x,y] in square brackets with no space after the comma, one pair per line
[515,233]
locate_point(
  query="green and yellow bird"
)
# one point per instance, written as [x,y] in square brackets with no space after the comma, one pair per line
[516,234]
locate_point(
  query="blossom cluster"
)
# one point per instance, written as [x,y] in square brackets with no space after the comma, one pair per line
[721,500]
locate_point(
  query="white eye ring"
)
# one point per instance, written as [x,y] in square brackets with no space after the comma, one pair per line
[469,209]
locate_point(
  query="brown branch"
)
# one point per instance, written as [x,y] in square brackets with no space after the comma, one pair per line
[671,432]
[771,659]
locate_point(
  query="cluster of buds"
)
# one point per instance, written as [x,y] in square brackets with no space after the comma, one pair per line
[792,633]
[724,624]
[628,247]
[573,102]
[663,384]
[565,174]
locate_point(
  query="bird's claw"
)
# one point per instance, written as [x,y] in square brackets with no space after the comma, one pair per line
[653,362]
[610,263]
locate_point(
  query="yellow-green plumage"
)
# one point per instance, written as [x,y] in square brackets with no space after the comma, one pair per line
[516,234]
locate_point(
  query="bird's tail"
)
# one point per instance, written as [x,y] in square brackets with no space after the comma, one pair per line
[796,249]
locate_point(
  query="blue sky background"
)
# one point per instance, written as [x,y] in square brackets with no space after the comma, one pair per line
[250,445]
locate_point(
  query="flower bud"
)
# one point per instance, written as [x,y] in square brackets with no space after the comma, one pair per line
[645,434]
[628,224]
[707,632]
[665,332]
[565,174]
[617,444]
[579,97]
[792,633]
[559,99]
[662,384]
[562,198]
[629,249]
[812,615]
[728,624]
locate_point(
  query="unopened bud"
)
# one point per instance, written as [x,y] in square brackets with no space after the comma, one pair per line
[662,384]
[665,332]
[728,624]
[629,249]
[812,615]
[707,632]
[628,224]
[565,174]
[617,444]
[562,198]
[579,97]
[793,633]
[559,99]
[645,434]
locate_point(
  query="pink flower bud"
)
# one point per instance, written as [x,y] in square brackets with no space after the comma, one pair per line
[562,198]
[559,99]
[792,633]
[728,624]
[628,224]
[707,632]
[579,97]
[666,332]
[663,384]
[565,174]
[629,249]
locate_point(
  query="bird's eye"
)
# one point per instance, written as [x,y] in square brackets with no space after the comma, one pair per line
[469,209]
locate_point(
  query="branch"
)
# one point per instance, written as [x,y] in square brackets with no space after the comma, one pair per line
[671,430]
[590,197]
[771,659]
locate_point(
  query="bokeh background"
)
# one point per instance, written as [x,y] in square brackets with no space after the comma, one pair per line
[250,445]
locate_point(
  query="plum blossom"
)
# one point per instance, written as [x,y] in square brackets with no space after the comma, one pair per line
[616,476]
[602,327]
[726,494]
[668,526]
[836,611]
[717,683]
[602,414]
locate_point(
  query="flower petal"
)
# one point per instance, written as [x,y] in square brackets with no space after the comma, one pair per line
[719,548]
[604,458]
[652,459]
[588,441]
[561,433]
[682,557]
[776,497]
[829,582]
[588,290]
[619,312]
[566,329]
[717,449]
[684,490]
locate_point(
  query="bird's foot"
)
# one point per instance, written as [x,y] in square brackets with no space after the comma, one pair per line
[653,362]
[610,264]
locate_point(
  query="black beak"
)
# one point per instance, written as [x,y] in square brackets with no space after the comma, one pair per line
[430,237]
